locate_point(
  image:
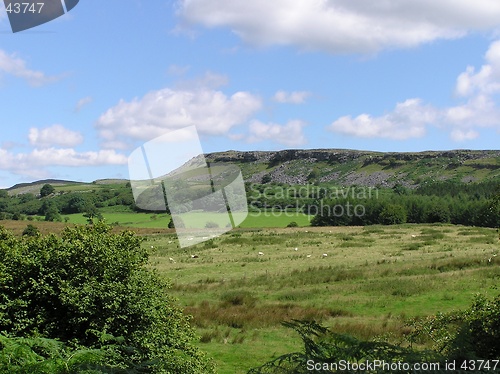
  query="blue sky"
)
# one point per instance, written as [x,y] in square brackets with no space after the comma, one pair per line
[81,92]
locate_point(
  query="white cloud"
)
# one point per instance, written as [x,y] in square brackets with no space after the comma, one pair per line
[295,97]
[54,135]
[479,108]
[461,136]
[344,26]
[407,120]
[290,134]
[11,64]
[212,112]
[82,102]
[35,163]
[479,90]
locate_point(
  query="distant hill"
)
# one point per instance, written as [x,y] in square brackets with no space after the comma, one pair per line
[364,168]
[34,187]
[337,166]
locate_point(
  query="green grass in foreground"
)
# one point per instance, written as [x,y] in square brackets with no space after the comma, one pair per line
[371,280]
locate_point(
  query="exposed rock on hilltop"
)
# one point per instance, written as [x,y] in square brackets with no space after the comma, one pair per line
[351,167]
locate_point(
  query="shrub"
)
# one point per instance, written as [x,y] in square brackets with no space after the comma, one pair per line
[89,283]
[31,230]
[292,224]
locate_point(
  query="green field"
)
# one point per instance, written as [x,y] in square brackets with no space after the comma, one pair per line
[370,282]
[149,220]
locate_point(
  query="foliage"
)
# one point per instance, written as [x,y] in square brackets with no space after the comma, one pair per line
[292,224]
[324,346]
[91,213]
[46,190]
[393,214]
[89,283]
[31,230]
[49,356]
[472,334]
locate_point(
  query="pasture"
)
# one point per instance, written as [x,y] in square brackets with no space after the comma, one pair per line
[161,220]
[366,281]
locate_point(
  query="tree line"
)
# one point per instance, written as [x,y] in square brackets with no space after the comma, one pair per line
[52,204]
[471,204]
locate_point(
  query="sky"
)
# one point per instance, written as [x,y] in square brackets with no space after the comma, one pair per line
[80,93]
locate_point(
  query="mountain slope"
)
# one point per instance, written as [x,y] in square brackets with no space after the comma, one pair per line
[351,167]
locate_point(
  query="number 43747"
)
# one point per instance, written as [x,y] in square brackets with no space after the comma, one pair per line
[24,8]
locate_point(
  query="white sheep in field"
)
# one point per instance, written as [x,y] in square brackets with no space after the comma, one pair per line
[194,256]
[308,256]
[296,249]
[414,236]
[172,260]
[325,255]
[261,253]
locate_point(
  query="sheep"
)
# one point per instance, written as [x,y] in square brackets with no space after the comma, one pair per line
[296,249]
[308,256]
[194,256]
[414,236]
[261,253]
[172,260]
[325,255]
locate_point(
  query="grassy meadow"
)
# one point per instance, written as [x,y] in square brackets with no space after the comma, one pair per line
[365,281]
[370,282]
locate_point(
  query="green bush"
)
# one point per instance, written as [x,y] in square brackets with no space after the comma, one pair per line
[89,283]
[472,334]
[393,214]
[31,230]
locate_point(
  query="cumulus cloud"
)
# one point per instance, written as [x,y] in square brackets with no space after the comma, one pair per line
[461,135]
[13,65]
[477,90]
[343,26]
[290,134]
[55,135]
[211,111]
[35,163]
[407,120]
[295,97]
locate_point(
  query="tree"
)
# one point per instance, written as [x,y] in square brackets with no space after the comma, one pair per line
[46,190]
[92,212]
[52,214]
[76,204]
[89,284]
[393,214]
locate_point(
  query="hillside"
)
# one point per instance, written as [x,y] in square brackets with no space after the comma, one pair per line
[336,166]
[364,168]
